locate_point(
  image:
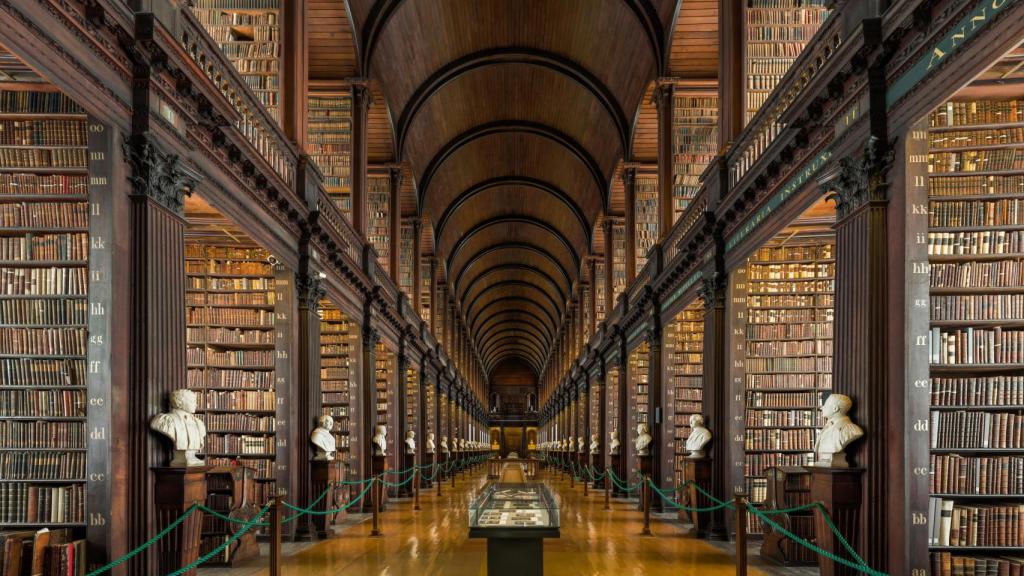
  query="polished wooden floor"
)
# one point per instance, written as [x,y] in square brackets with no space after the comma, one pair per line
[434,541]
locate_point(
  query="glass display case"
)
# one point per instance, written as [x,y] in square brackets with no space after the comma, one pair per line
[514,506]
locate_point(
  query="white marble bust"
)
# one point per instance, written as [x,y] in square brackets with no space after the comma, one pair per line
[594,444]
[183,427]
[699,436]
[837,433]
[444,445]
[643,439]
[410,442]
[380,441]
[579,444]
[462,444]
[613,447]
[430,443]
[322,438]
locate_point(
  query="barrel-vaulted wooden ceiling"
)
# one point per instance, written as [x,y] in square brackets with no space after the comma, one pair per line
[512,117]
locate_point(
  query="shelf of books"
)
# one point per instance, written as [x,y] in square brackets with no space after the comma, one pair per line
[384,379]
[646,212]
[588,312]
[249,34]
[378,209]
[339,373]
[976,254]
[594,411]
[425,283]
[444,425]
[638,396]
[230,309]
[777,32]
[694,143]
[618,260]
[430,420]
[329,144]
[405,258]
[613,382]
[684,382]
[600,287]
[412,409]
[787,341]
[44,314]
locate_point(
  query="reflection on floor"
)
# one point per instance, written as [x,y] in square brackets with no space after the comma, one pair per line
[434,540]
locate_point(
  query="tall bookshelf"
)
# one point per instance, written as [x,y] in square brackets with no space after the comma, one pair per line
[639,397]
[618,260]
[411,383]
[378,209]
[430,422]
[613,384]
[787,341]
[684,371]
[777,32]
[44,310]
[975,253]
[384,396]
[425,284]
[339,350]
[600,306]
[588,312]
[646,211]
[249,34]
[329,143]
[443,428]
[406,283]
[694,143]
[230,312]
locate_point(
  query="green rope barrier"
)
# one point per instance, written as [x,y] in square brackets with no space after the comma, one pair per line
[621,484]
[396,484]
[859,567]
[147,544]
[335,510]
[679,506]
[223,546]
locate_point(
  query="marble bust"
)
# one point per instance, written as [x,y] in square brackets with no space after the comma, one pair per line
[322,438]
[410,442]
[579,444]
[183,427]
[837,433]
[594,444]
[462,444]
[613,447]
[380,441]
[444,445]
[699,436]
[430,443]
[643,439]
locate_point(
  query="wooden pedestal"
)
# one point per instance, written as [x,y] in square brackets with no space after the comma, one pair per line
[427,472]
[378,464]
[617,469]
[698,470]
[176,490]
[408,461]
[595,461]
[643,464]
[325,474]
[839,489]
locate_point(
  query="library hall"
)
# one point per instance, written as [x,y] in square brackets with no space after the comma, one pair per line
[512,287]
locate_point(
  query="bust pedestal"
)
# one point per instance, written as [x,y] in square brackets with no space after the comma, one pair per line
[643,464]
[839,489]
[405,490]
[427,472]
[378,464]
[596,461]
[698,470]
[325,473]
[617,469]
[176,490]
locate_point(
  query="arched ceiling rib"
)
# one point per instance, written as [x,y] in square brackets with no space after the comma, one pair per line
[512,116]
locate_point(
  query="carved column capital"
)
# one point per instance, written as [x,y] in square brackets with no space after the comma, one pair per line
[309,289]
[862,180]
[158,175]
[712,290]
[662,96]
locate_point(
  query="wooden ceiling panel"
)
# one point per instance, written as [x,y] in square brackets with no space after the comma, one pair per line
[380,141]
[645,130]
[507,275]
[694,52]
[503,232]
[332,51]
[526,254]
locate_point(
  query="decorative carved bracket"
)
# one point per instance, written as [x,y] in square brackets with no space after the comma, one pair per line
[158,175]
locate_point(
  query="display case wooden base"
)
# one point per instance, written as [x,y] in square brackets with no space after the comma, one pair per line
[176,490]
[839,490]
[699,471]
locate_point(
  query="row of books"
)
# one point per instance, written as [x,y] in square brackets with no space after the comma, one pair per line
[977,307]
[255,49]
[55,185]
[975,243]
[43,281]
[976,346]
[229,284]
[791,301]
[42,372]
[41,434]
[789,330]
[976,160]
[237,422]
[231,358]
[230,298]
[254,400]
[998,274]
[229,378]
[24,503]
[948,564]
[964,525]
[43,214]
[965,113]
[43,403]
[239,444]
[964,429]
[978,391]
[790,380]
[801,439]
[790,286]
[43,157]
[35,247]
[973,213]
[791,348]
[43,311]
[817,252]
[787,400]
[223,336]
[980,137]
[237,316]
[46,552]
[975,185]
[756,464]
[248,268]
[790,418]
[26,102]
[49,341]
[974,475]
[42,133]
[43,465]
[785,364]
[789,315]
[194,250]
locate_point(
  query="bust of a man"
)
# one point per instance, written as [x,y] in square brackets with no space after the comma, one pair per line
[380,441]
[183,427]
[444,445]
[462,444]
[430,443]
[613,447]
[323,439]
[699,436]
[580,444]
[643,439]
[837,433]
[410,442]
[594,444]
